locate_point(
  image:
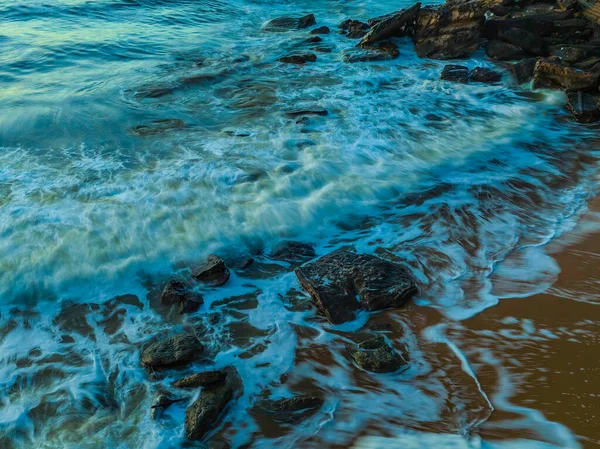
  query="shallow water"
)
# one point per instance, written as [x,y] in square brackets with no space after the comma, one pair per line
[139,136]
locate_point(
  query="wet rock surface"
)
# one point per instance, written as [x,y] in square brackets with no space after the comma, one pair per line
[552,75]
[354,29]
[212,271]
[523,70]
[160,402]
[381,52]
[377,355]
[298,58]
[290,23]
[343,282]
[484,75]
[292,410]
[503,51]
[455,73]
[177,350]
[399,24]
[293,251]
[583,106]
[178,293]
[202,379]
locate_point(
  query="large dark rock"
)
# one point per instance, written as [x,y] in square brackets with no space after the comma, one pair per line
[299,58]
[290,23]
[456,73]
[321,30]
[292,410]
[531,43]
[503,51]
[212,271]
[303,112]
[523,70]
[552,75]
[483,75]
[583,106]
[343,282]
[570,54]
[382,52]
[354,28]
[202,379]
[376,355]
[399,24]
[177,350]
[178,293]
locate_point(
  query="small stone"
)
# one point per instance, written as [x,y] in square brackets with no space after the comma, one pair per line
[382,52]
[483,75]
[301,58]
[583,106]
[377,356]
[212,271]
[177,350]
[456,73]
[321,30]
[202,379]
[290,23]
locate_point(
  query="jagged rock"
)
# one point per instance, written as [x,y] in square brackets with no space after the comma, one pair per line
[456,73]
[306,111]
[178,293]
[355,28]
[382,52]
[483,75]
[212,271]
[523,70]
[343,282]
[202,379]
[550,74]
[569,53]
[300,58]
[160,402]
[290,23]
[583,106]
[177,350]
[292,410]
[524,39]
[502,51]
[205,412]
[293,251]
[377,356]
[399,24]
[321,30]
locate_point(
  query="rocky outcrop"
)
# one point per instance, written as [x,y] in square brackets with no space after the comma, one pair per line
[503,51]
[376,355]
[292,410]
[173,351]
[212,271]
[455,73]
[552,75]
[299,58]
[290,23]
[294,251]
[382,52]
[583,106]
[399,24]
[202,379]
[343,282]
[523,70]
[178,293]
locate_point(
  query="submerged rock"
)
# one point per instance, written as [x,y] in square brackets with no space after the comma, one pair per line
[343,282]
[583,106]
[503,51]
[483,75]
[321,30]
[212,271]
[399,24]
[160,402]
[456,73]
[293,251]
[202,379]
[302,112]
[523,70]
[382,52]
[376,355]
[292,410]
[178,293]
[299,58]
[158,127]
[290,23]
[177,350]
[550,74]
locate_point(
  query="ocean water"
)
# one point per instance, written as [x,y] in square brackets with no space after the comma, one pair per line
[139,136]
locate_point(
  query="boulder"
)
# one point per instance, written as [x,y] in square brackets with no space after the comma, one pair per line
[354,28]
[292,410]
[399,24]
[321,30]
[456,73]
[376,355]
[300,58]
[313,40]
[483,75]
[382,52]
[552,75]
[523,70]
[173,351]
[202,379]
[583,106]
[178,293]
[503,51]
[532,44]
[290,23]
[294,251]
[343,282]
[212,271]
[570,54]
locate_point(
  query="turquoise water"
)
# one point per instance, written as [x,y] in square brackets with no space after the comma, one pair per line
[136,137]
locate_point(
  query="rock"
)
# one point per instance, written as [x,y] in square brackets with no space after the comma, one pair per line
[524,39]
[178,293]
[313,40]
[321,30]
[377,356]
[583,106]
[456,73]
[501,10]
[503,51]
[292,410]
[322,49]
[160,402]
[568,4]
[212,271]
[293,251]
[382,52]
[343,282]
[301,58]
[177,350]
[306,111]
[587,64]
[158,127]
[202,379]
[550,74]
[355,28]
[399,24]
[523,70]
[568,53]
[290,23]
[483,75]
[205,412]
[542,24]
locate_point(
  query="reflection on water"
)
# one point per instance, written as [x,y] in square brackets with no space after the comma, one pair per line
[139,136]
